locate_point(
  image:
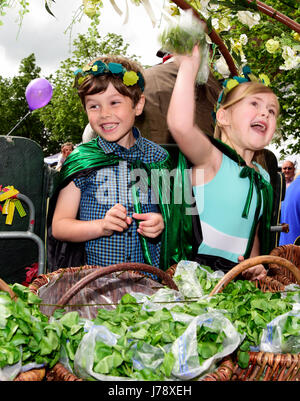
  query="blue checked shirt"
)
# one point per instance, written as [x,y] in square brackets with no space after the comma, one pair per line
[105,187]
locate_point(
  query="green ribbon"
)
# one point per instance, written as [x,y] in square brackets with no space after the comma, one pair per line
[251,174]
[138,209]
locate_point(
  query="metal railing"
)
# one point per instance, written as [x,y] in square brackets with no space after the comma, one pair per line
[29,234]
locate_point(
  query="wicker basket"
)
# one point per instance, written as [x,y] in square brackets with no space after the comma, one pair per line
[68,285]
[290,252]
[89,288]
[263,366]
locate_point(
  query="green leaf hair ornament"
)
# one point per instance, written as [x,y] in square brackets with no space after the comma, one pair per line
[98,68]
[231,83]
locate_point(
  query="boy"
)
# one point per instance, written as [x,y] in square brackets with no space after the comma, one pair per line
[95,204]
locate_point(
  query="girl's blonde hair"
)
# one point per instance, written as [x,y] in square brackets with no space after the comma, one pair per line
[234,96]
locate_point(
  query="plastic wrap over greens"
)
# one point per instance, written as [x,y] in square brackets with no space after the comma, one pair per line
[282,334]
[180,38]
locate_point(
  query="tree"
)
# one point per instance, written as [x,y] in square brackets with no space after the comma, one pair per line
[64,117]
[254,35]
[265,35]
[14,106]
[261,41]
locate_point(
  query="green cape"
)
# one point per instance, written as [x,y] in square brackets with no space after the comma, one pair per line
[176,238]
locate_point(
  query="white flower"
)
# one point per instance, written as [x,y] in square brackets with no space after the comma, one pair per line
[290,63]
[288,52]
[272,45]
[243,39]
[224,24]
[248,18]
[222,67]
[291,58]
[220,25]
[215,23]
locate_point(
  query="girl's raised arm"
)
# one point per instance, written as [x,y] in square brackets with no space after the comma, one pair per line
[181,113]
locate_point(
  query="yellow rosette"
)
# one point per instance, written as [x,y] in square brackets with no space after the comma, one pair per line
[130,78]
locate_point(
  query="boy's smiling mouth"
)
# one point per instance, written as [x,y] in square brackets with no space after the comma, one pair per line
[109,126]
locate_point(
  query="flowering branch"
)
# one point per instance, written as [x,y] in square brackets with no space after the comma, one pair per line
[277,15]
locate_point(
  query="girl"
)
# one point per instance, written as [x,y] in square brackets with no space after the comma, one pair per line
[236,195]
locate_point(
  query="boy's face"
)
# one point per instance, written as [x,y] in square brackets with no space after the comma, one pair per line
[112,115]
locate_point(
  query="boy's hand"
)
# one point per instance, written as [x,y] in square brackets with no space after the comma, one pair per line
[115,219]
[257,272]
[151,224]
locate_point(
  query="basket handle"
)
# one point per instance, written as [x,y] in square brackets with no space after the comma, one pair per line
[103,271]
[5,287]
[246,264]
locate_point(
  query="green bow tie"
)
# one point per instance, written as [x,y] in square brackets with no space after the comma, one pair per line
[255,179]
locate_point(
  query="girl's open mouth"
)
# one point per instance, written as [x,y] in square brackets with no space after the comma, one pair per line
[259,126]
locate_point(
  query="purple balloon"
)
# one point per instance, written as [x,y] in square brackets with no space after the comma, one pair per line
[38,93]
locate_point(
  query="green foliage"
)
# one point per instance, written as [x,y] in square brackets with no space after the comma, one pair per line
[64,117]
[25,333]
[23,8]
[14,106]
[285,83]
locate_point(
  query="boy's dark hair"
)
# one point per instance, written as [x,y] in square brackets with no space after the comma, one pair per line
[95,84]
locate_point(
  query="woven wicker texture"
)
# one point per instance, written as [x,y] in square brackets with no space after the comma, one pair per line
[267,366]
[290,252]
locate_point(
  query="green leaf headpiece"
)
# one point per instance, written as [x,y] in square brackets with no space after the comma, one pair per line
[129,78]
[231,83]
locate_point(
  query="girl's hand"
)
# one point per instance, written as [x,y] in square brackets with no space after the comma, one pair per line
[115,219]
[191,61]
[151,224]
[257,272]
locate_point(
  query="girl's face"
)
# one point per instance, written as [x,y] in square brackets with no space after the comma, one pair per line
[112,115]
[250,123]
